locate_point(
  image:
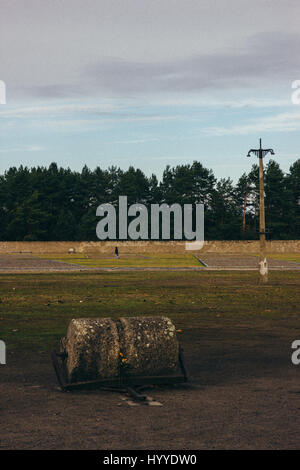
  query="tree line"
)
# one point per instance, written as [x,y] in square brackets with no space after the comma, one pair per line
[44,204]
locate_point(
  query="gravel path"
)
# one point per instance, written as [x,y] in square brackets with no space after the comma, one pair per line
[241,262]
[23,263]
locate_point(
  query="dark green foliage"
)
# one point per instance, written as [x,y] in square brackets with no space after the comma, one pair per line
[59,204]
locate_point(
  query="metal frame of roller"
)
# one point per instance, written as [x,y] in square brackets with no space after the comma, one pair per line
[118,383]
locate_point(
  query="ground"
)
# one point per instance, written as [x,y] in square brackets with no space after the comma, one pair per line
[243,392]
[28,262]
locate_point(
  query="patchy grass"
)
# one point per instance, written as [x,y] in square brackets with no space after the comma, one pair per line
[35,309]
[129,260]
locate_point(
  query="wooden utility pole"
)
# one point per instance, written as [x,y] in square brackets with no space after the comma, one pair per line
[244,210]
[263,264]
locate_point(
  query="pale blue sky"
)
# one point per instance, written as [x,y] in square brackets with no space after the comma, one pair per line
[148,83]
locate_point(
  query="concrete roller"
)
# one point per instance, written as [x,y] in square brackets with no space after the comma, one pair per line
[100,348]
[92,347]
[149,344]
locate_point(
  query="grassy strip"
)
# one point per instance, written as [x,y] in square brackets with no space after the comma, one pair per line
[127,260]
[35,309]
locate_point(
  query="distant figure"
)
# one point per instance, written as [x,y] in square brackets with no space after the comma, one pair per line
[116,253]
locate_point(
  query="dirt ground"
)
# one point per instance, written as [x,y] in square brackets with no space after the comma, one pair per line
[243,395]
[243,392]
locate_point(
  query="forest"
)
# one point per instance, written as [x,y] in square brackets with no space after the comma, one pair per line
[48,204]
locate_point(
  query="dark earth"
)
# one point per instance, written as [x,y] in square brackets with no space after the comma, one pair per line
[243,392]
[243,395]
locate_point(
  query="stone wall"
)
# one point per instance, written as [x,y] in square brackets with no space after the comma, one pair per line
[276,246]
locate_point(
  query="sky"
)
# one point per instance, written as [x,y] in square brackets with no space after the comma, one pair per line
[149,83]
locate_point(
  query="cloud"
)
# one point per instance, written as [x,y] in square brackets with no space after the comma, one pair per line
[65,48]
[134,141]
[265,58]
[132,112]
[213,102]
[283,122]
[55,110]
[259,60]
[83,125]
[26,148]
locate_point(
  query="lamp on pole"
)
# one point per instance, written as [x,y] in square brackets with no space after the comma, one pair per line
[263,265]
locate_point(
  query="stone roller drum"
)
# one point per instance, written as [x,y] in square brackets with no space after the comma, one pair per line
[113,353]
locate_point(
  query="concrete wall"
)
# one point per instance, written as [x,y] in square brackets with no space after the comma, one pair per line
[276,246]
